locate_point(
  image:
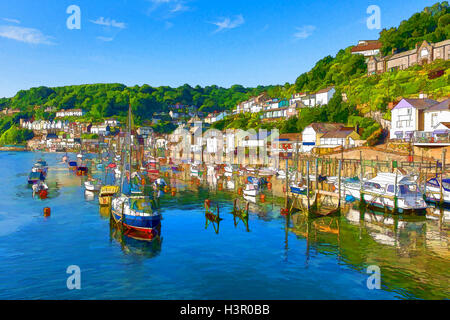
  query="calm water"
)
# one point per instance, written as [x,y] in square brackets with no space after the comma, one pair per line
[277,259]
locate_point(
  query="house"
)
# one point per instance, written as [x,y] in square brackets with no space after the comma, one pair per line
[289,142]
[367,48]
[324,96]
[311,134]
[10,111]
[435,115]
[407,117]
[145,131]
[101,129]
[423,53]
[112,122]
[346,137]
[219,116]
[70,113]
[255,140]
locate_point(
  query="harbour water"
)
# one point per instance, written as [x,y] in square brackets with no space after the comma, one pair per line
[275,258]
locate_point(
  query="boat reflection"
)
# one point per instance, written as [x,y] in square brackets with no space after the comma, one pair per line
[135,243]
[89,195]
[407,249]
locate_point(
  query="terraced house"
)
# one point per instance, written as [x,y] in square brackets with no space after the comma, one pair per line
[423,53]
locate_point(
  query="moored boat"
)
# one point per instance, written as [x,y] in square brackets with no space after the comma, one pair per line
[387,190]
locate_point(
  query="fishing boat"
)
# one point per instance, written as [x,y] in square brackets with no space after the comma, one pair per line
[250,190]
[42,166]
[35,176]
[106,194]
[73,165]
[228,171]
[82,170]
[195,171]
[433,190]
[387,190]
[38,187]
[135,211]
[298,188]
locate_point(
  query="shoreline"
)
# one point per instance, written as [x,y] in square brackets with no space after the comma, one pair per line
[14,149]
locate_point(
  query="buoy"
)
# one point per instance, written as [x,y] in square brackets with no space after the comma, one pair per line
[47,212]
[269,185]
[43,194]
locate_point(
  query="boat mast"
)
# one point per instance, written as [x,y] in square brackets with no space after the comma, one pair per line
[129,134]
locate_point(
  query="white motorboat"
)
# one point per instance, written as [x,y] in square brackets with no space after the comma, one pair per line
[250,190]
[433,190]
[383,192]
[92,185]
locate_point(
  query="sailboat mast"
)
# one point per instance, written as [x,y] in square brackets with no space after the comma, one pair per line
[129,133]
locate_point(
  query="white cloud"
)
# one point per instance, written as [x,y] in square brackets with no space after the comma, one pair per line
[11,20]
[168,8]
[228,23]
[28,35]
[105,39]
[304,32]
[179,7]
[109,23]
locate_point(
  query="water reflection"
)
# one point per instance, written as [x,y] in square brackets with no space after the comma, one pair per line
[135,244]
[412,252]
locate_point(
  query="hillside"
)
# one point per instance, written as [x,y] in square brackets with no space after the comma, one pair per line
[346,71]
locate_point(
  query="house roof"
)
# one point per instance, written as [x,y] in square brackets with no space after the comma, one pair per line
[290,136]
[441,43]
[320,127]
[415,103]
[340,133]
[371,45]
[444,105]
[325,89]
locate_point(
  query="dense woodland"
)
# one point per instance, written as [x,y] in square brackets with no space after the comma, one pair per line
[345,71]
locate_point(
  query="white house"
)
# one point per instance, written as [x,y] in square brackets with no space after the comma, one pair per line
[101,130]
[112,122]
[367,48]
[311,134]
[407,117]
[69,113]
[435,115]
[324,96]
[219,116]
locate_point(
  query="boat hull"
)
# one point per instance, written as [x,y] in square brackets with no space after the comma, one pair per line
[138,223]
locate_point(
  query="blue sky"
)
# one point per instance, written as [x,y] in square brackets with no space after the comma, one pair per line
[172,42]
